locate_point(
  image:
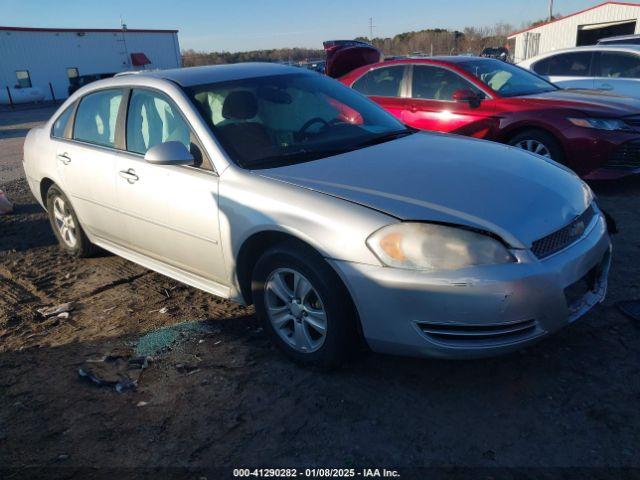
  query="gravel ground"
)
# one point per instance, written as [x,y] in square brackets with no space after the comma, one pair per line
[221,396]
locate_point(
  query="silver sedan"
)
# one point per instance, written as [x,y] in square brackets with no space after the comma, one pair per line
[280,187]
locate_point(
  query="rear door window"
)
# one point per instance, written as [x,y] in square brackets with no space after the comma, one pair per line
[618,65]
[573,64]
[96,118]
[381,82]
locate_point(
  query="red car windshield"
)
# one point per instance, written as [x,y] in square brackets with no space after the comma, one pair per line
[506,79]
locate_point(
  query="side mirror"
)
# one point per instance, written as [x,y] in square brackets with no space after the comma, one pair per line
[466,95]
[169,153]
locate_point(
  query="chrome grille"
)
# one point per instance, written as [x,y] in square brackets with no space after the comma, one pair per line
[626,155]
[458,334]
[564,237]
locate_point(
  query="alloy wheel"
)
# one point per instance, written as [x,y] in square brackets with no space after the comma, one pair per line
[534,146]
[295,310]
[65,222]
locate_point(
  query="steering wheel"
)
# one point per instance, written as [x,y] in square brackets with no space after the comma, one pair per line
[313,121]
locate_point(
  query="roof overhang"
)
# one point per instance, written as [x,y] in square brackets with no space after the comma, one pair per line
[87,30]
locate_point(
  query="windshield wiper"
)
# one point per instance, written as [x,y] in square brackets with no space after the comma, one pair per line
[386,137]
[291,158]
[304,155]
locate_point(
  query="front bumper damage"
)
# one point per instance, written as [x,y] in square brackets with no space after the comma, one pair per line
[480,311]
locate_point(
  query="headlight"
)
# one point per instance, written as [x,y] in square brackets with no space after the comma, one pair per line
[427,246]
[610,124]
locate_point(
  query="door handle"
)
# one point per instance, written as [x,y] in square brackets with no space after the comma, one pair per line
[605,86]
[64,158]
[413,108]
[129,175]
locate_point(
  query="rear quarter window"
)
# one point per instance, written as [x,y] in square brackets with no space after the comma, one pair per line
[60,125]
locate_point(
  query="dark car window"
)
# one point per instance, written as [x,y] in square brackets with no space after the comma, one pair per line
[276,120]
[618,65]
[381,82]
[96,118]
[435,83]
[60,125]
[573,64]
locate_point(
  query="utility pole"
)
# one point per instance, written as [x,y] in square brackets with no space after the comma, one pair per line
[550,10]
[123,27]
[371,27]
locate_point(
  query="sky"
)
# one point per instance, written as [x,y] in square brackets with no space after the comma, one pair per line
[237,25]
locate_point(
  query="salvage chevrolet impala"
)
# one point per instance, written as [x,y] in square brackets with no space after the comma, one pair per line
[283,188]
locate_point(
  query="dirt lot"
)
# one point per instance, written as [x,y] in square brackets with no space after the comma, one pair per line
[222,397]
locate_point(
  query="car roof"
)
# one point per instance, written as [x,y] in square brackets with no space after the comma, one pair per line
[190,76]
[620,37]
[597,48]
[454,59]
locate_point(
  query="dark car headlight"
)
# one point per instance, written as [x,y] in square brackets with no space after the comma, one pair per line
[610,124]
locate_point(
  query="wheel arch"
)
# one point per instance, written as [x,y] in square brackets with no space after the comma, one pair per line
[251,250]
[512,132]
[255,245]
[45,184]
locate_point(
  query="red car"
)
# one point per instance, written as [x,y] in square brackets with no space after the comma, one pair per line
[595,134]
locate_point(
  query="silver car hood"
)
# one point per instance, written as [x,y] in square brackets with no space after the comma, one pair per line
[445,178]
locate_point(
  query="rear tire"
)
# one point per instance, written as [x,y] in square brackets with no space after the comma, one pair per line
[66,226]
[540,142]
[304,306]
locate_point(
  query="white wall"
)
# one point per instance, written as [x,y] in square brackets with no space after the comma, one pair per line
[47,55]
[564,33]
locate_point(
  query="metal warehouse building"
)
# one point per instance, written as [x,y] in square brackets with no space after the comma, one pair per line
[47,58]
[582,28]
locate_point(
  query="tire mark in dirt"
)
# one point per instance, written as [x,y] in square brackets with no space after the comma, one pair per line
[13,294]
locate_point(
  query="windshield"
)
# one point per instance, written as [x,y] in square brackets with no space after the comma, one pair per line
[506,79]
[278,120]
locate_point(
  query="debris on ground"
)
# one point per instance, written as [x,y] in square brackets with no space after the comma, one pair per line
[187,368]
[114,371]
[6,206]
[57,311]
[631,308]
[164,339]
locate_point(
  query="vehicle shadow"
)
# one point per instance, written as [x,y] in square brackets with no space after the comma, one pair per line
[21,234]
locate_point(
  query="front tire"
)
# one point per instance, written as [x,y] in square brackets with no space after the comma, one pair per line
[304,306]
[539,142]
[66,226]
